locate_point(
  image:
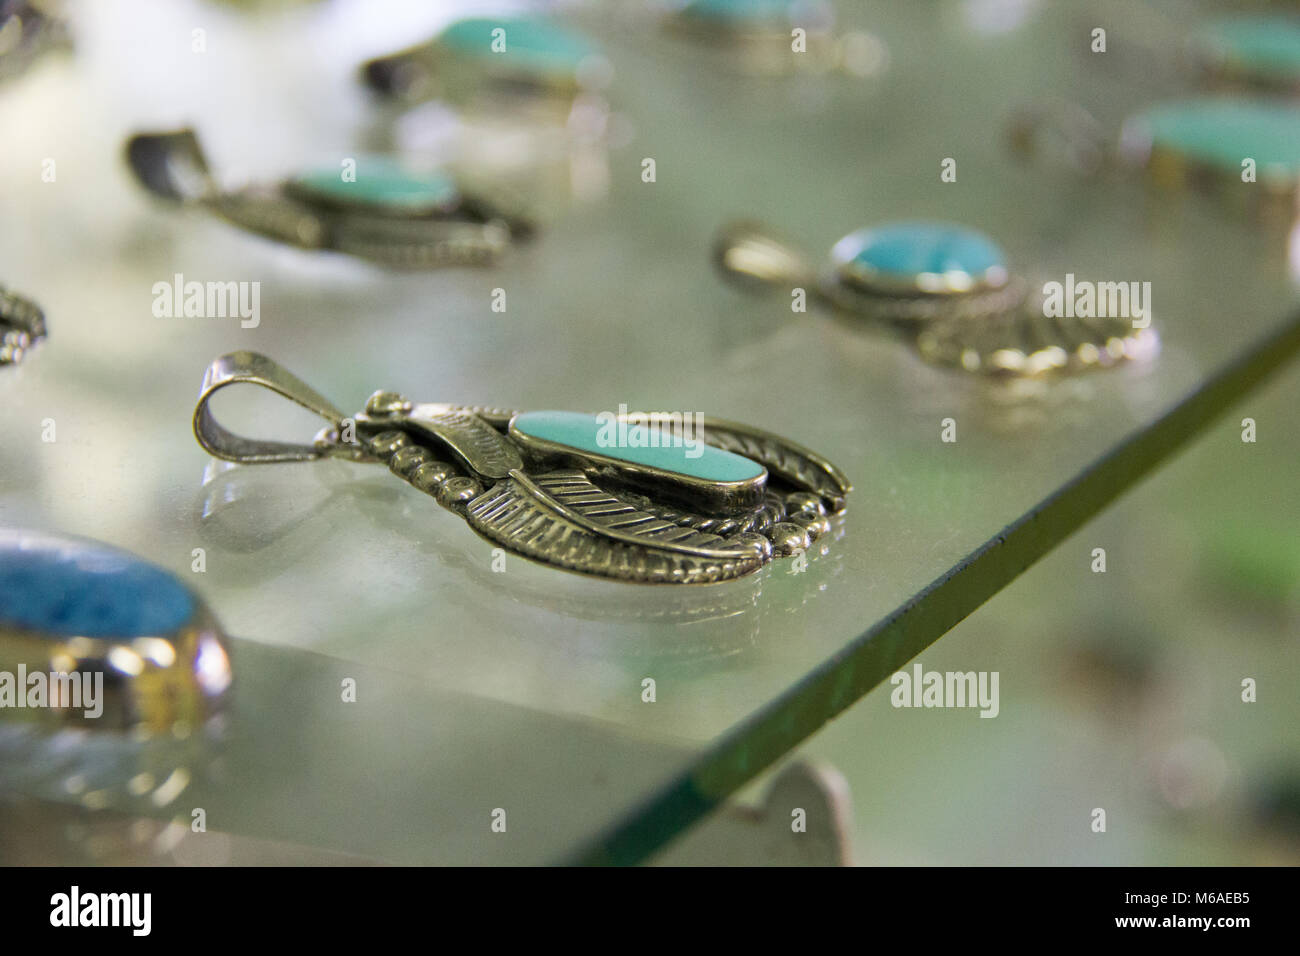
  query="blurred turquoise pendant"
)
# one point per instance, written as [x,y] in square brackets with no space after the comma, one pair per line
[516,59]
[776,36]
[85,608]
[751,16]
[113,674]
[1244,150]
[1260,51]
[371,207]
[1225,140]
[946,289]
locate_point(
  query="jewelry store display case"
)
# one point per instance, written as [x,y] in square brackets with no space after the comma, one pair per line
[403,691]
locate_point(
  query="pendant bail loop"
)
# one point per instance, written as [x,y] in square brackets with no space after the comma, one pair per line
[752,256]
[255,369]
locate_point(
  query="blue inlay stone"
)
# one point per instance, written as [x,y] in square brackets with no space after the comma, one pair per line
[380,182]
[58,589]
[1221,131]
[1264,48]
[530,44]
[740,12]
[637,444]
[920,257]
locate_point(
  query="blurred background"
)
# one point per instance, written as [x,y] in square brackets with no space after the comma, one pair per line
[1120,690]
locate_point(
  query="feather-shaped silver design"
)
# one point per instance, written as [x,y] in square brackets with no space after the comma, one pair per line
[562,518]
[604,514]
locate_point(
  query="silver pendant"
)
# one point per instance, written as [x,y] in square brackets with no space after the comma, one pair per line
[946,289]
[1242,150]
[377,210]
[660,499]
[776,37]
[518,62]
[1259,52]
[22,325]
[115,677]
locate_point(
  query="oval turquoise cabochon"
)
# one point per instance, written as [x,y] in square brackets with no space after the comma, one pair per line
[1222,131]
[60,588]
[742,11]
[600,435]
[379,181]
[1267,47]
[529,42]
[901,251]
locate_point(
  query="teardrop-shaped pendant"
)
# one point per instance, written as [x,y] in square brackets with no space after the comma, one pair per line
[659,498]
[524,60]
[949,290]
[371,207]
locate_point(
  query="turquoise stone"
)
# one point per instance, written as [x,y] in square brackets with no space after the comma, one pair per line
[379,182]
[1221,132]
[732,12]
[902,254]
[589,433]
[531,44]
[65,589]
[1263,47]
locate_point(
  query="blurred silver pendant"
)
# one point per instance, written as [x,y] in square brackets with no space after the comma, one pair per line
[663,498]
[947,289]
[776,37]
[114,675]
[512,62]
[370,207]
[1242,150]
[1257,52]
[22,325]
